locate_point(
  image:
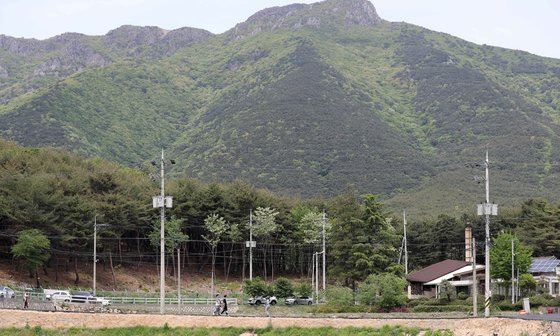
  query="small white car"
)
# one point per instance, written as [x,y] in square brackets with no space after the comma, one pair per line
[258,300]
[63,296]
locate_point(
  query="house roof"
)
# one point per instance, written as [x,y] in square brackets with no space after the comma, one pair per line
[544,265]
[436,270]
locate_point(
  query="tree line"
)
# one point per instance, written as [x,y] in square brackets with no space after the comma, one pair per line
[59,194]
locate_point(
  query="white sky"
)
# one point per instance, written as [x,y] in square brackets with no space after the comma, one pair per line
[532,26]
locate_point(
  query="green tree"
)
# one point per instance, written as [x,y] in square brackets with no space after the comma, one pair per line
[500,257]
[33,247]
[215,227]
[371,246]
[527,283]
[174,236]
[539,226]
[384,290]
[283,288]
[447,290]
[263,227]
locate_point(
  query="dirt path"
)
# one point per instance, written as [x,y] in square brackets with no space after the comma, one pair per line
[460,327]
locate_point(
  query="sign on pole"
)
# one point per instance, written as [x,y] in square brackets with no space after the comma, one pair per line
[250,243]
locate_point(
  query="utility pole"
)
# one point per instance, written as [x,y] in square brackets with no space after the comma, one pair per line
[313,276]
[162,242]
[179,278]
[317,277]
[94,253]
[162,202]
[487,209]
[324,257]
[405,247]
[512,273]
[95,225]
[250,244]
[475,281]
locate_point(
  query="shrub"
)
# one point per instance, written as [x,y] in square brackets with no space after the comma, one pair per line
[447,290]
[507,305]
[340,296]
[303,289]
[384,290]
[441,309]
[462,296]
[283,288]
[256,287]
[498,297]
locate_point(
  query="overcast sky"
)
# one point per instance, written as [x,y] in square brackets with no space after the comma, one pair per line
[532,26]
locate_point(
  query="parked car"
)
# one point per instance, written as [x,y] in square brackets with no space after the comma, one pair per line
[82,297]
[7,292]
[60,296]
[258,300]
[301,300]
[49,292]
[85,297]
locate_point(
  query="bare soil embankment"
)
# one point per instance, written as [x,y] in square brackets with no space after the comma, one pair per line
[460,327]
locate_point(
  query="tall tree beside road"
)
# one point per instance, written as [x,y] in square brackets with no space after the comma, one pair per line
[216,227]
[365,242]
[263,227]
[33,247]
[500,257]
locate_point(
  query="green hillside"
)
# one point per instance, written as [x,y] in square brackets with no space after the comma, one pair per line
[303,100]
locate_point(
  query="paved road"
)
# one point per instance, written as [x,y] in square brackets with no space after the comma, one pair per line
[543,317]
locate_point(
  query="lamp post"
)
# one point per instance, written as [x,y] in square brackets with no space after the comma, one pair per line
[162,202]
[95,225]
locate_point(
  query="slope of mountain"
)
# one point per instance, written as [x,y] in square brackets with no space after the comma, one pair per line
[302,99]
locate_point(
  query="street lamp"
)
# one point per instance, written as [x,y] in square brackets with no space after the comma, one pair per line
[95,225]
[162,202]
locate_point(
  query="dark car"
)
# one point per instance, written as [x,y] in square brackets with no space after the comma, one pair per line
[301,300]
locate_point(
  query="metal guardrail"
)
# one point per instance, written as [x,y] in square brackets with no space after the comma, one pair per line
[187,301]
[139,300]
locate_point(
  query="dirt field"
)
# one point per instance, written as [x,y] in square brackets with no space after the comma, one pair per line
[460,327]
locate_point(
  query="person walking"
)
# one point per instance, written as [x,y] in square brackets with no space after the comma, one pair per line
[25,301]
[224,306]
[267,306]
[217,305]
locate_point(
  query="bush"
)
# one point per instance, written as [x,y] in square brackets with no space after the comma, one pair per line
[462,296]
[256,287]
[498,297]
[340,296]
[441,309]
[447,290]
[384,290]
[507,305]
[283,288]
[304,289]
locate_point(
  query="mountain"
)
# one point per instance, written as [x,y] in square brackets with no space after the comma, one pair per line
[302,99]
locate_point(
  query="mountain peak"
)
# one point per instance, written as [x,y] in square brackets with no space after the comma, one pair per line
[319,14]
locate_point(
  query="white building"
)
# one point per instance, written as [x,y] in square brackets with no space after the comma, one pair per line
[546,271]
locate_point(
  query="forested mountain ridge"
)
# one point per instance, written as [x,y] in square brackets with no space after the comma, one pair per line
[305,99]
